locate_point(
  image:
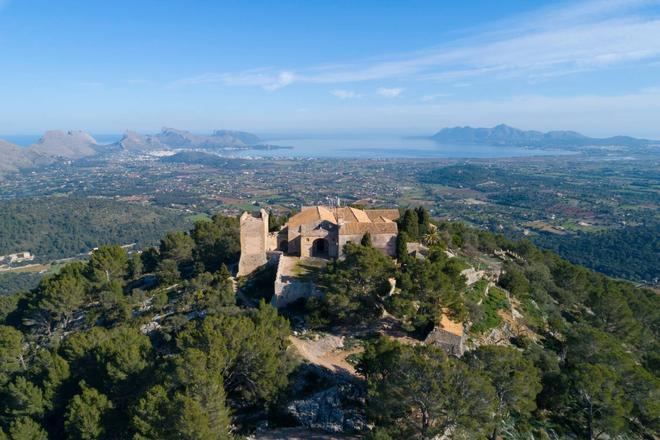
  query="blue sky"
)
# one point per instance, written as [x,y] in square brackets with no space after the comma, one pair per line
[330,66]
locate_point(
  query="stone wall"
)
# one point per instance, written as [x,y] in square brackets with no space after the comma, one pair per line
[384,242]
[293,235]
[309,235]
[254,242]
[288,287]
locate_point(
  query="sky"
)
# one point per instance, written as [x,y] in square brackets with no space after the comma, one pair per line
[322,66]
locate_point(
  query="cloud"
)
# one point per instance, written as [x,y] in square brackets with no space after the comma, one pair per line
[283,79]
[389,92]
[553,41]
[264,78]
[345,94]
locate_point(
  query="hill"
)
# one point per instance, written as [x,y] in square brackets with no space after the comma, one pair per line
[71,145]
[505,135]
[630,253]
[54,228]
[14,158]
[160,345]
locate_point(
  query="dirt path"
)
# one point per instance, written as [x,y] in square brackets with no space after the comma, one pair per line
[326,351]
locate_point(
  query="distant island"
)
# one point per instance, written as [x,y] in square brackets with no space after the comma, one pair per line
[504,135]
[56,145]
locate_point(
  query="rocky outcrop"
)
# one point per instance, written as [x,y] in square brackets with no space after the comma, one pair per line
[336,409]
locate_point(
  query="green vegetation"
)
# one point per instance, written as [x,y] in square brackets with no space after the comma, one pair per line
[590,370]
[154,345]
[484,315]
[11,282]
[62,227]
[99,351]
[596,214]
[355,287]
[630,253]
[419,393]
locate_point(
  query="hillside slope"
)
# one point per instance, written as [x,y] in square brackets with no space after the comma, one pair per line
[53,228]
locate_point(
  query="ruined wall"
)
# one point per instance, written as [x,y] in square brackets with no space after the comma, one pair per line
[288,286]
[272,242]
[451,343]
[254,242]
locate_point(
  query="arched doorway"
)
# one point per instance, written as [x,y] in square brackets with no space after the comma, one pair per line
[320,248]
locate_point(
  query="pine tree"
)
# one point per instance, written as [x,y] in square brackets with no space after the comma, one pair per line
[410,224]
[85,414]
[24,428]
[516,380]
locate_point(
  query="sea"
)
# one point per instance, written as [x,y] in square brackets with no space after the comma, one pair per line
[362,147]
[356,147]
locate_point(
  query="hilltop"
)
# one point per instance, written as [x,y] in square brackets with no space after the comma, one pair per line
[167,341]
[504,135]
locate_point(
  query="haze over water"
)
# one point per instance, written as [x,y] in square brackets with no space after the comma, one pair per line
[363,147]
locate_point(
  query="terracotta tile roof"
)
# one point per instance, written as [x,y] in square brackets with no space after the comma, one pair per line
[351,215]
[345,215]
[391,214]
[372,228]
[312,214]
[360,215]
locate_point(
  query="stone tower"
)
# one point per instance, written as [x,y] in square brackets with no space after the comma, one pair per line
[254,241]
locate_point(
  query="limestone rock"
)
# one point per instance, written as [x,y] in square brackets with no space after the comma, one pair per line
[336,409]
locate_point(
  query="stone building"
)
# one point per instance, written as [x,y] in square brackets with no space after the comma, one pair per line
[319,231]
[449,334]
[316,231]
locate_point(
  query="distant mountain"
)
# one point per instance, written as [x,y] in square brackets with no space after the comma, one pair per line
[246,138]
[14,158]
[171,138]
[508,136]
[71,145]
[133,141]
[56,145]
